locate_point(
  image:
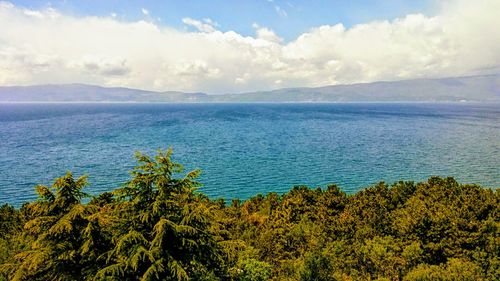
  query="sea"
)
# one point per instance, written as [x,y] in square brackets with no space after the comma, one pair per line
[247,149]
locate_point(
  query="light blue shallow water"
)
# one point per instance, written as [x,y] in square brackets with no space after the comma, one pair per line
[245,149]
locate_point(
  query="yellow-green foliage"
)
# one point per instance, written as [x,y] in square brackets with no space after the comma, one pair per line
[158,227]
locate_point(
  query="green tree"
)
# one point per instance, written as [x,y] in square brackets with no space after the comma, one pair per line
[254,270]
[162,227]
[61,231]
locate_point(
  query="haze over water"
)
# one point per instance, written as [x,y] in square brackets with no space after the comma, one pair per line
[245,149]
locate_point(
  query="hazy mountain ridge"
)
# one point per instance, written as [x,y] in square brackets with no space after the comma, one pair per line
[473,88]
[88,93]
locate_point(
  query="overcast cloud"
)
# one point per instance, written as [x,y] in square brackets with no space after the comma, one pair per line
[46,46]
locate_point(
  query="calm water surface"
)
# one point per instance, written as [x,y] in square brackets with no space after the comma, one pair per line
[245,149]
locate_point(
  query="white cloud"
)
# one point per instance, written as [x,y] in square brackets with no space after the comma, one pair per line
[46,46]
[104,66]
[267,34]
[207,25]
[280,11]
[211,22]
[145,12]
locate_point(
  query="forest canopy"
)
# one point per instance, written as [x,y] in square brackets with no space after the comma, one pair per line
[157,226]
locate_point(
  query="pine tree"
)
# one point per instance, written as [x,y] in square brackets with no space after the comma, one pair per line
[61,231]
[163,228]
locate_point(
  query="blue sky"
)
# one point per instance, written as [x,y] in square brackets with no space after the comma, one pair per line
[240,46]
[288,18]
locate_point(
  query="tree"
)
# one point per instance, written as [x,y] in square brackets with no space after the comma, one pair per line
[61,231]
[162,228]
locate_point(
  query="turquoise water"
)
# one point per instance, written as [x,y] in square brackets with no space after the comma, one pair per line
[245,149]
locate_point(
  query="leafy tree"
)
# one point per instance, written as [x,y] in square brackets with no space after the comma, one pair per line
[454,269]
[317,267]
[254,270]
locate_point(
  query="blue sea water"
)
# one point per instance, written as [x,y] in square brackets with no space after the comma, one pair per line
[246,149]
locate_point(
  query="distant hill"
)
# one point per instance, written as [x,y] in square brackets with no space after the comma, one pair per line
[473,88]
[89,93]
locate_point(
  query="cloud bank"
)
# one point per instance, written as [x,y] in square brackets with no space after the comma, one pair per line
[46,46]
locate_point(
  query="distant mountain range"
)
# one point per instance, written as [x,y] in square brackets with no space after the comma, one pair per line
[473,88]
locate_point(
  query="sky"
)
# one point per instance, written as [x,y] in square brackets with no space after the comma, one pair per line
[240,46]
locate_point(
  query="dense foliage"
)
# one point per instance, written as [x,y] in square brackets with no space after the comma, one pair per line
[158,227]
